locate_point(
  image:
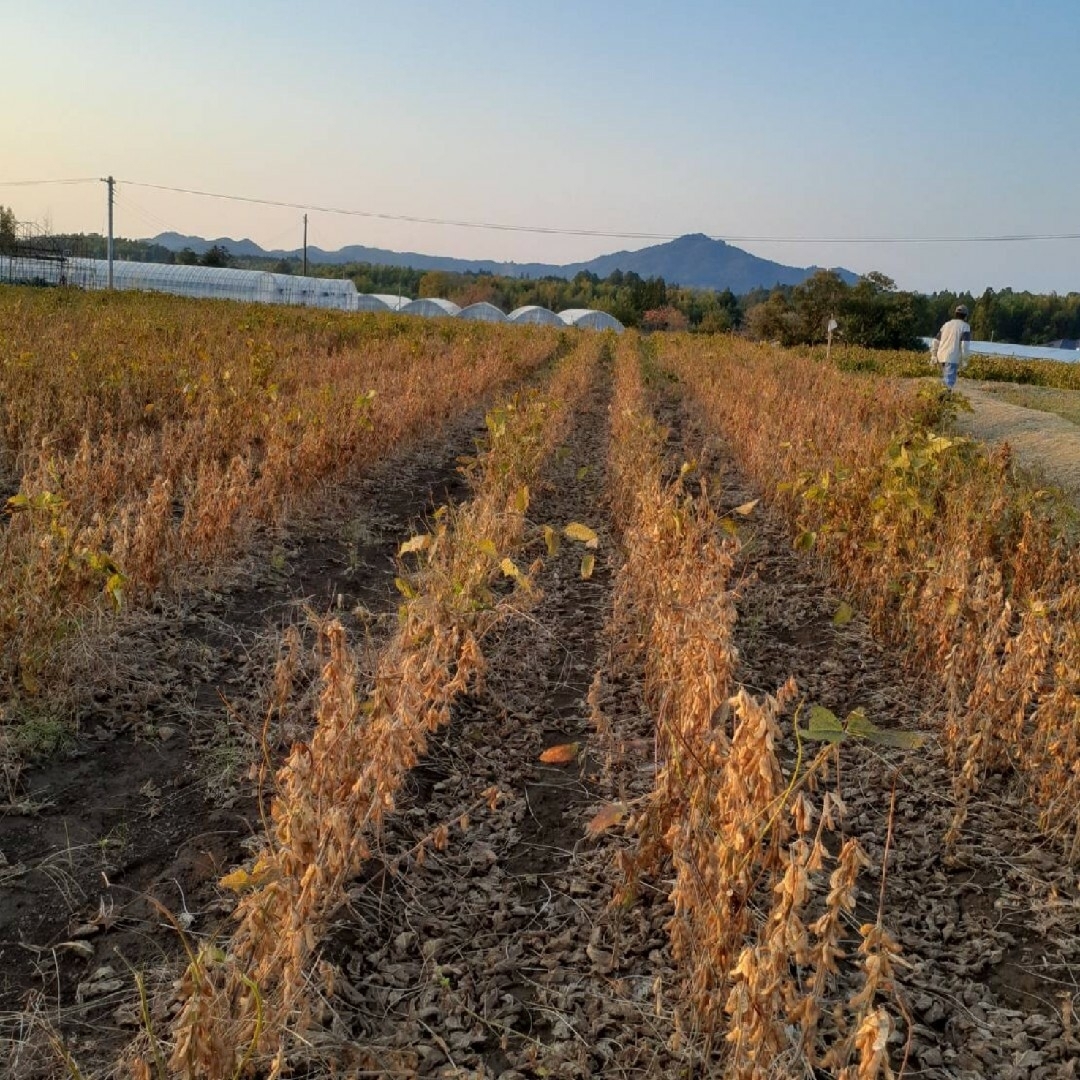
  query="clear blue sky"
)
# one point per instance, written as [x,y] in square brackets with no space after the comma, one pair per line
[787,118]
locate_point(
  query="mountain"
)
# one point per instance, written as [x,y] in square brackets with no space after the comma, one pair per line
[694,260]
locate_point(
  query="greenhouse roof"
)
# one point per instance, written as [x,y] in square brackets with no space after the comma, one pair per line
[482,312]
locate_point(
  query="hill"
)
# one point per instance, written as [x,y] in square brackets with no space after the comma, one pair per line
[694,260]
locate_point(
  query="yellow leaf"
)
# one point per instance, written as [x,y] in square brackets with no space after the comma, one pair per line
[551,538]
[488,547]
[560,755]
[844,614]
[405,589]
[521,500]
[510,569]
[237,881]
[583,472]
[582,533]
[415,543]
[587,564]
[607,816]
[747,507]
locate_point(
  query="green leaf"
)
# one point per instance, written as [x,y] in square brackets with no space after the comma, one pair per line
[824,726]
[844,614]
[805,540]
[583,472]
[862,728]
[405,588]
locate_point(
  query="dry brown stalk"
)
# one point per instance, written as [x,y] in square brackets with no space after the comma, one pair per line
[149,435]
[952,557]
[334,792]
[758,936]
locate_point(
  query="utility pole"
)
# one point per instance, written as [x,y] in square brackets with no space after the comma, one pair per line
[111,184]
[305,245]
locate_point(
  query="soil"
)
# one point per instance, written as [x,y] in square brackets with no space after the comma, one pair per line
[502,956]
[1040,441]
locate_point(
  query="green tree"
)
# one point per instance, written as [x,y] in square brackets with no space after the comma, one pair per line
[7,227]
[218,255]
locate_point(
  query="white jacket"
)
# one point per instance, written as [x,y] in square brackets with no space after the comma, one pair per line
[952,344]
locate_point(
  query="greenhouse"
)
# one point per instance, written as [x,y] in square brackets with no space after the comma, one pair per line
[222,283]
[482,312]
[262,287]
[391,300]
[369,302]
[587,319]
[533,313]
[431,308]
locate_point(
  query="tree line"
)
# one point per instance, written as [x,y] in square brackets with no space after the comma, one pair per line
[873,312]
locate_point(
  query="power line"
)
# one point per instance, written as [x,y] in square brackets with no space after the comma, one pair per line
[34,183]
[551,230]
[546,230]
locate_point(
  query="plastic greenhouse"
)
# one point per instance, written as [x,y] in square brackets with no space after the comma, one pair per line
[586,319]
[258,286]
[431,308]
[533,313]
[482,312]
[222,283]
[369,302]
[391,300]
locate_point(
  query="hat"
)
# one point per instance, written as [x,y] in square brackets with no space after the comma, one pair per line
[961,311]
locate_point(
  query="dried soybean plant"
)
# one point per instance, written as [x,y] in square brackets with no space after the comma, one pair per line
[760,921]
[964,565]
[334,792]
[148,435]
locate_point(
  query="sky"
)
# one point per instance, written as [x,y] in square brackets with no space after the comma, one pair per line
[811,120]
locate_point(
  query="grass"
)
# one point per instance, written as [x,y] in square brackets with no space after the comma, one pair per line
[1063,403]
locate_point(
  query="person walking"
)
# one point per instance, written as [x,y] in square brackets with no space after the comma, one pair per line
[951,345]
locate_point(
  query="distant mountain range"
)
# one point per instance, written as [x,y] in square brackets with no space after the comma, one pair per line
[694,260]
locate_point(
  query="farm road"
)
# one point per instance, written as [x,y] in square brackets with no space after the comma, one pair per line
[1040,440]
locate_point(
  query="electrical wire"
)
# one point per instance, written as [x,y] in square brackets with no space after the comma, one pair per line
[551,230]
[1002,238]
[32,183]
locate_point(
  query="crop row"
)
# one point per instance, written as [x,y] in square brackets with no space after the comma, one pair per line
[970,570]
[334,791]
[761,905]
[142,439]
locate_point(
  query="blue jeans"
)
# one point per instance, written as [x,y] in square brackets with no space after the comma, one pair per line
[948,374]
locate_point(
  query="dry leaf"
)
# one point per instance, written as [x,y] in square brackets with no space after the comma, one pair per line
[582,533]
[415,543]
[560,755]
[605,818]
[747,507]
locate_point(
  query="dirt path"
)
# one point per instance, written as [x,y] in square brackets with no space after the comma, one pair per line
[1040,440]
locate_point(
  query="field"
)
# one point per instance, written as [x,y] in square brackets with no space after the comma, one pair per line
[396,698]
